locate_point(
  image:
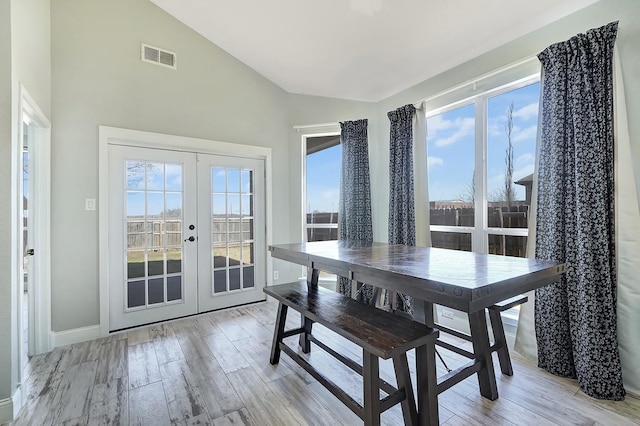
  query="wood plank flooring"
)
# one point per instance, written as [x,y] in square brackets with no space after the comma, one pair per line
[213,369]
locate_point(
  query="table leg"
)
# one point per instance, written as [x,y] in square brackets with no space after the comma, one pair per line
[481,348]
[428,314]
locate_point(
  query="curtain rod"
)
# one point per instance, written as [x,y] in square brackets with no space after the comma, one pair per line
[477,79]
[313,126]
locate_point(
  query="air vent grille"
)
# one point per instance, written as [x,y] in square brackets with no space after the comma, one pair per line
[158,56]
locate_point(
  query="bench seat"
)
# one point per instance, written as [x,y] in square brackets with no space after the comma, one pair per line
[379,333]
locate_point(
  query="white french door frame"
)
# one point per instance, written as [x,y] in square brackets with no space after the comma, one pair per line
[40,295]
[136,138]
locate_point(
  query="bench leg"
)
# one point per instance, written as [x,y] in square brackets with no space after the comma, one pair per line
[500,342]
[370,374]
[305,343]
[427,385]
[403,378]
[278,333]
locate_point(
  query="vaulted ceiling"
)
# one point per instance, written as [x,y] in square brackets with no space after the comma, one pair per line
[361,49]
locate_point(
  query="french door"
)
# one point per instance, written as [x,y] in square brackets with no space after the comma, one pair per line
[186,233]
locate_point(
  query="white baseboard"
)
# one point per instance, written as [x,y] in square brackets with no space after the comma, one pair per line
[76,335]
[6,410]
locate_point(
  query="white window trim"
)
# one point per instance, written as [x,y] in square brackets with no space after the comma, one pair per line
[313,131]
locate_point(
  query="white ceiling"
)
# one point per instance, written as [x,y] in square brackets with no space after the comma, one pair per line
[361,49]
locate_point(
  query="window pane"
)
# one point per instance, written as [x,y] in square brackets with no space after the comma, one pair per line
[451,163]
[135,174]
[507,245]
[247,277]
[451,240]
[156,291]
[135,294]
[174,261]
[234,279]
[247,181]
[155,176]
[174,177]
[512,120]
[174,288]
[323,187]
[219,177]
[135,264]
[220,281]
[155,262]
[233,180]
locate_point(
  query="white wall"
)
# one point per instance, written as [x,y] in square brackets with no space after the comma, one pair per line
[98,78]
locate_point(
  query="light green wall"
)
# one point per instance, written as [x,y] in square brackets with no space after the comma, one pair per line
[5,199]
[98,79]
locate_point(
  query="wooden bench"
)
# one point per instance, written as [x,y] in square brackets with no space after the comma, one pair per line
[499,339]
[380,334]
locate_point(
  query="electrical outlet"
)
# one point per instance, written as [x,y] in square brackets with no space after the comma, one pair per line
[276,275]
[446,313]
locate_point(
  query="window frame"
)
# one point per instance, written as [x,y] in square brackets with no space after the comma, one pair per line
[325,280]
[480,233]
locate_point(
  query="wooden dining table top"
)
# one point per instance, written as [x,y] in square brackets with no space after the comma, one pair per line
[460,280]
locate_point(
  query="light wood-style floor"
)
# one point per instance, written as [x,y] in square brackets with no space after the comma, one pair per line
[214,369]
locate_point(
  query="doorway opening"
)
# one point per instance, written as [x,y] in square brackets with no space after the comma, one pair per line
[33,205]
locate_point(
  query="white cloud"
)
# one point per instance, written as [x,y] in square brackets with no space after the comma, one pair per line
[527,133]
[465,127]
[527,158]
[434,161]
[527,111]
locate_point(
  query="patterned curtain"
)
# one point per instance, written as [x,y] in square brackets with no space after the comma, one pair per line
[575,318]
[402,212]
[354,213]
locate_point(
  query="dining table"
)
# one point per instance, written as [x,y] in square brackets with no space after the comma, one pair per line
[464,281]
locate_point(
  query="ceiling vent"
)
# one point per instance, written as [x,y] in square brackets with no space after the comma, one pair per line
[157,56]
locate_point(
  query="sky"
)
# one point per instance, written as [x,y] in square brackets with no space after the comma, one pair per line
[451,151]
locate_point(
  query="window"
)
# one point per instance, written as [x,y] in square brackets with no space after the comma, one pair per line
[323,159]
[480,159]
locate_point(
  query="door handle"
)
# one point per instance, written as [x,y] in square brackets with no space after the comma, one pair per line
[31,252]
[191,238]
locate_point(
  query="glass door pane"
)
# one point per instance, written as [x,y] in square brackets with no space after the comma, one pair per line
[232,234]
[232,225]
[153,226]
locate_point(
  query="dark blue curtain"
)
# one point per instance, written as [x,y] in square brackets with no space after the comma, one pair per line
[354,213]
[402,212]
[575,319]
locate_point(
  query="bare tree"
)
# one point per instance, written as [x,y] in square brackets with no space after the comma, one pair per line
[469,193]
[509,192]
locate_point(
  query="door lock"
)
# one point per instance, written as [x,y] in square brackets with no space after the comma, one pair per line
[191,238]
